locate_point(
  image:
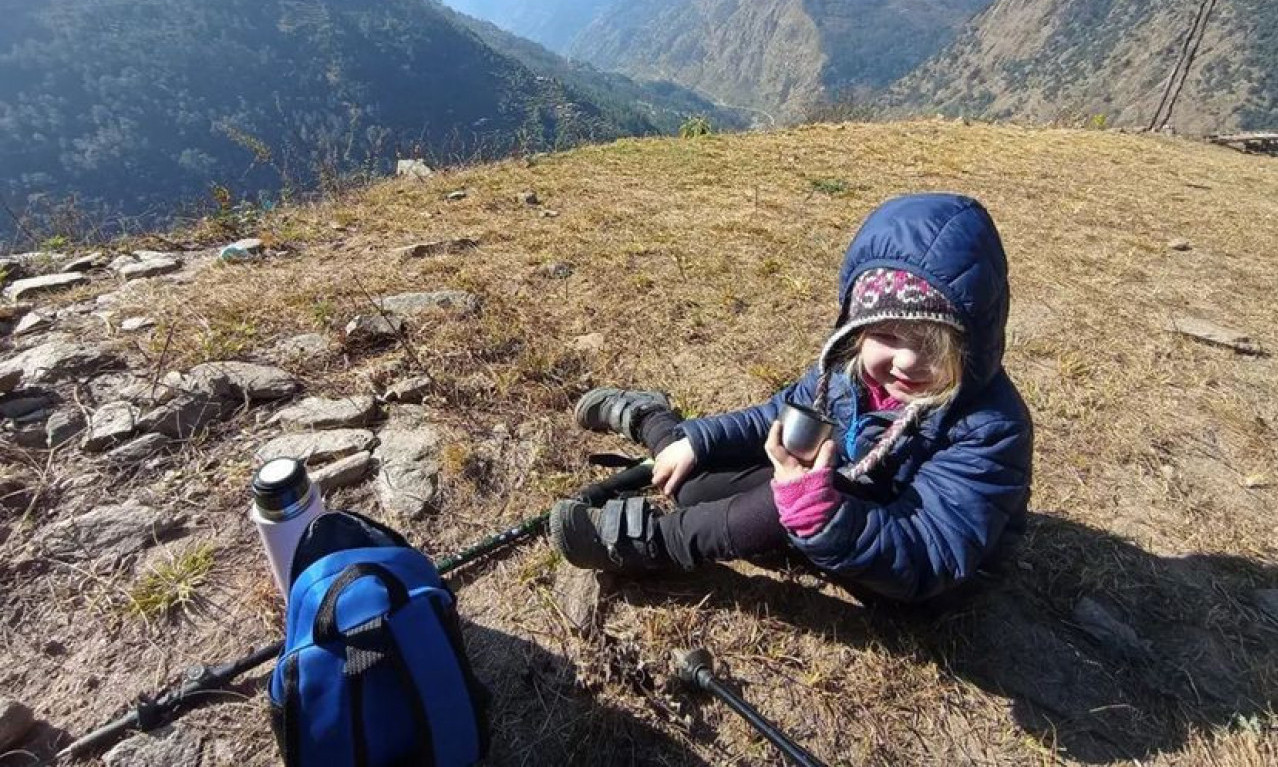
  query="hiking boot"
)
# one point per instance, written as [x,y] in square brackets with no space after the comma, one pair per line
[617,410]
[621,537]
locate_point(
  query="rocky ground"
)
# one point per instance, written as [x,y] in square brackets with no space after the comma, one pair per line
[97,426]
[421,343]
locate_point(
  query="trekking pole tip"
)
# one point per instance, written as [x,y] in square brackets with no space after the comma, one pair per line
[690,663]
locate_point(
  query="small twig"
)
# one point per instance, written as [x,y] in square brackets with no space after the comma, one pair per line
[159,364]
[399,331]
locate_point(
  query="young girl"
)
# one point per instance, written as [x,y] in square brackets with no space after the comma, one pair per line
[929,462]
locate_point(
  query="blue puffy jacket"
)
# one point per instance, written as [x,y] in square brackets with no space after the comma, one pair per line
[927,517]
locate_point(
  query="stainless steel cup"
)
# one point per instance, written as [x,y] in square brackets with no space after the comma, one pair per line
[803,430]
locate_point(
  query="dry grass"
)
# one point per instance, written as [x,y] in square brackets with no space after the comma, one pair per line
[709,267]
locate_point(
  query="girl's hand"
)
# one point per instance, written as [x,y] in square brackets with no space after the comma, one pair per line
[673,465]
[787,467]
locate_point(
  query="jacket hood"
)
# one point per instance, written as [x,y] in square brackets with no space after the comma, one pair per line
[950,241]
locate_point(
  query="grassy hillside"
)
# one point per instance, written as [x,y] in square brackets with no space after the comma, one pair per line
[1051,59]
[1133,625]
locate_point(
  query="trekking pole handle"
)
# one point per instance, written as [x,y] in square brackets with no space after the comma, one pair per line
[696,668]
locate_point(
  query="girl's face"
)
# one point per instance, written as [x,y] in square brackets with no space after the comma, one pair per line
[896,357]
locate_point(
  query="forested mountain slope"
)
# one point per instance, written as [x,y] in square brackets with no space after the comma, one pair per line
[781,56]
[1048,59]
[131,105]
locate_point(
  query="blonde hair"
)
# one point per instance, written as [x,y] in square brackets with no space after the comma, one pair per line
[939,343]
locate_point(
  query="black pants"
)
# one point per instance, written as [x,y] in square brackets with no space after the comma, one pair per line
[723,513]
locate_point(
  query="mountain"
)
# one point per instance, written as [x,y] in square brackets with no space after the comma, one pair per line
[552,23]
[129,106]
[1047,59]
[777,56]
[644,104]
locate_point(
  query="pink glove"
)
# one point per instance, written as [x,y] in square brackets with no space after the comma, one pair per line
[807,503]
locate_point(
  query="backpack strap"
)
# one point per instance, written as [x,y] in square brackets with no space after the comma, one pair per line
[368,646]
[291,745]
[325,628]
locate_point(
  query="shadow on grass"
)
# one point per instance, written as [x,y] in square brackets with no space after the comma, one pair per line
[539,716]
[1105,650]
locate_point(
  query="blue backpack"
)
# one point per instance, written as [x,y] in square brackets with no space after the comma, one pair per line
[373,671]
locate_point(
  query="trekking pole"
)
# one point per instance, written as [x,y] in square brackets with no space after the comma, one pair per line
[150,713]
[696,667]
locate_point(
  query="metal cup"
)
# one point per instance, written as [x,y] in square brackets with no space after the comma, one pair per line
[803,430]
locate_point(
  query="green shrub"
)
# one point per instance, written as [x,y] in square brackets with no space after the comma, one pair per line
[695,127]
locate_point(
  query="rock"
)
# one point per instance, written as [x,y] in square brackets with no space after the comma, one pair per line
[146,392]
[446,300]
[459,194]
[576,593]
[34,417]
[56,361]
[304,346]
[373,329]
[592,343]
[150,267]
[139,449]
[249,245]
[343,472]
[119,262]
[1109,631]
[318,447]
[1267,600]
[112,533]
[108,299]
[63,426]
[528,198]
[10,376]
[406,417]
[240,381]
[33,323]
[32,286]
[13,312]
[413,169]
[320,413]
[557,270]
[411,391]
[111,424]
[1180,244]
[1212,333]
[134,324]
[17,407]
[407,480]
[185,415]
[550,213]
[241,250]
[437,248]
[15,720]
[85,263]
[166,747]
[11,268]
[30,436]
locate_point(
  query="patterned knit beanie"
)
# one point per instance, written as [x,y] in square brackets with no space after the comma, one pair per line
[895,294]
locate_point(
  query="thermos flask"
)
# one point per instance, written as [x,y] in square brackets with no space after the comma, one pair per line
[284,504]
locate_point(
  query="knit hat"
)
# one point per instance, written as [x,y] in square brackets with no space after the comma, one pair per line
[895,294]
[879,295]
